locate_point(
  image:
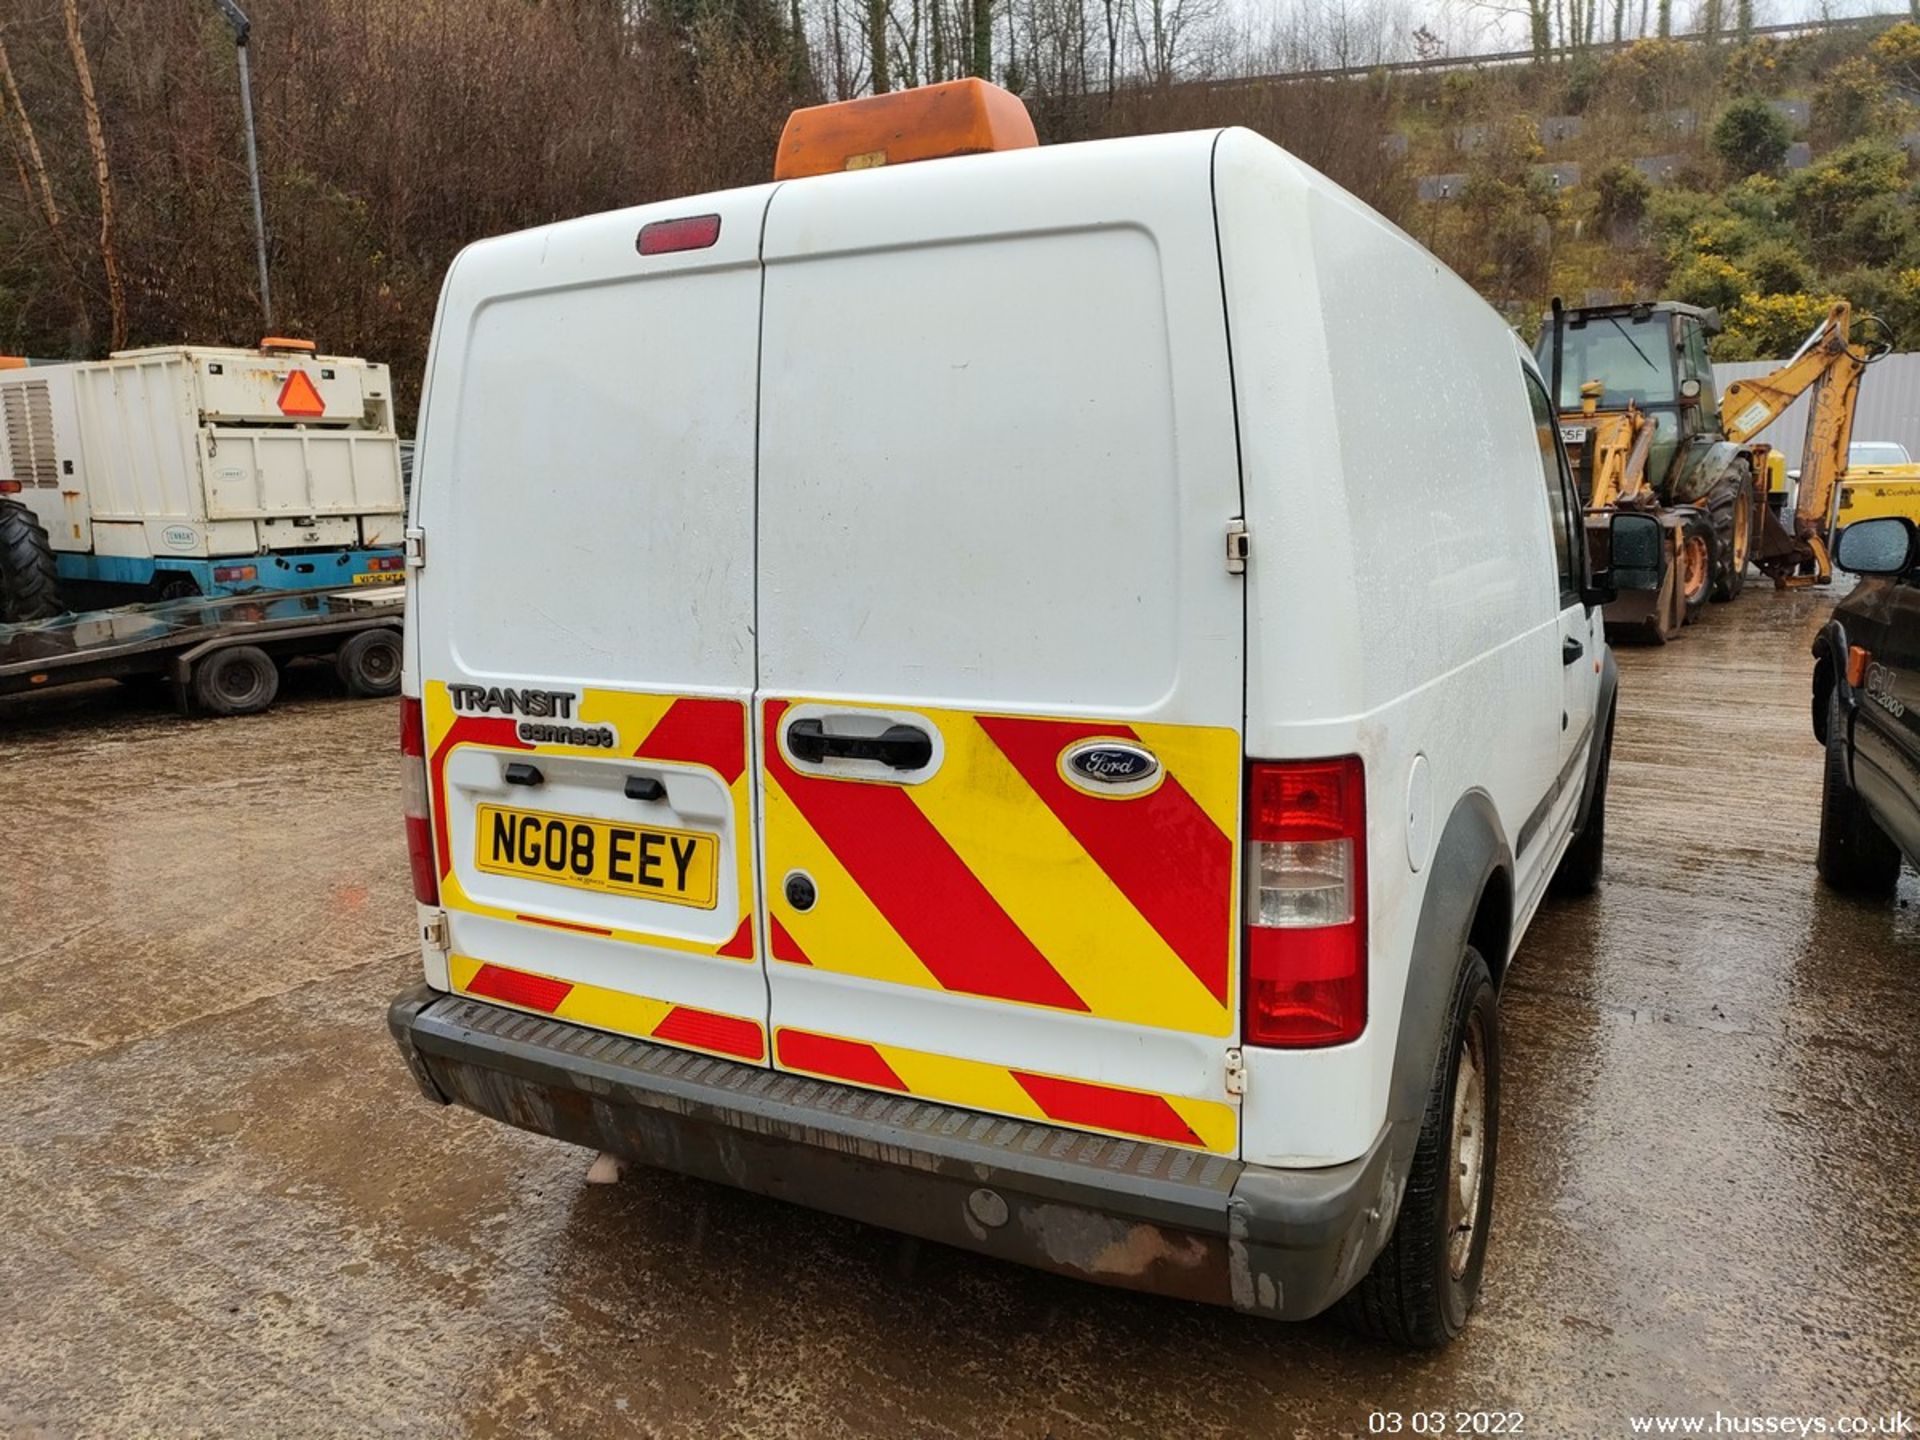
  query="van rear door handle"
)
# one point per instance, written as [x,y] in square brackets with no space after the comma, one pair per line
[900,747]
[1570,650]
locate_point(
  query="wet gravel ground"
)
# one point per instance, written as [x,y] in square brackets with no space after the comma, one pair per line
[225,1210]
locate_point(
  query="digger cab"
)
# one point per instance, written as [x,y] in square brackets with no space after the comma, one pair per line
[1653,356]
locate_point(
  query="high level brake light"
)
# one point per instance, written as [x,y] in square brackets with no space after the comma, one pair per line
[1306,938]
[413,794]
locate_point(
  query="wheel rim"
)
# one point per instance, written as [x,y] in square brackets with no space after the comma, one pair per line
[239,683]
[1467,1172]
[380,663]
[1693,567]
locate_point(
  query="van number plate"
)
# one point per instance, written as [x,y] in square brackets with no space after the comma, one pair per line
[648,861]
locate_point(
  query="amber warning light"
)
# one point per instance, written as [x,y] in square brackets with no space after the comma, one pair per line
[957,117]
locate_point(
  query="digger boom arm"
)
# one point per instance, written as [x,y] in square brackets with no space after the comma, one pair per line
[1829,367]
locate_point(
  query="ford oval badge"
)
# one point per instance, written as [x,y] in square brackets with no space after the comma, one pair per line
[1112,767]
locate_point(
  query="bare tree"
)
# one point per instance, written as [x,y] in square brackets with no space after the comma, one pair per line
[28,155]
[877,45]
[103,177]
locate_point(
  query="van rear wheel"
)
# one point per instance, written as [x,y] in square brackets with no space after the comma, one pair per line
[239,681]
[1421,1287]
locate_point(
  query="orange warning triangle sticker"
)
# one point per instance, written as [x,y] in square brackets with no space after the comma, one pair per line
[298,397]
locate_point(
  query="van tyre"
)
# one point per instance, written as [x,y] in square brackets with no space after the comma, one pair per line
[29,584]
[1855,855]
[239,681]
[369,664]
[1579,870]
[1421,1287]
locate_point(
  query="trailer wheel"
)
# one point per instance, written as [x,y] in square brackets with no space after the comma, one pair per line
[369,664]
[1855,855]
[29,585]
[238,681]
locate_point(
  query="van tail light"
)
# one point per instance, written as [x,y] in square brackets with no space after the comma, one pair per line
[1306,903]
[413,794]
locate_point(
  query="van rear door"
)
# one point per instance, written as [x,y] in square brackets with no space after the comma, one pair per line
[585,614]
[1000,696]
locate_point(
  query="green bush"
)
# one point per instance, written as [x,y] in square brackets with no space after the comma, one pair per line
[1891,296]
[1823,197]
[1879,231]
[1710,280]
[1750,137]
[1623,193]
[1851,103]
[1757,198]
[1777,268]
[1769,326]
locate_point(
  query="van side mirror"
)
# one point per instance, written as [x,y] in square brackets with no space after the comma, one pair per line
[1884,545]
[1636,558]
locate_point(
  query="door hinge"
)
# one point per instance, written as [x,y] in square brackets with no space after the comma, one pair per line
[433,931]
[1236,1072]
[416,539]
[1237,547]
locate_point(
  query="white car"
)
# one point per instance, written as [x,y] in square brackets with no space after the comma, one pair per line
[1027,698]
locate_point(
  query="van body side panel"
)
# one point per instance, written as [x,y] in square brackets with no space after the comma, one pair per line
[1403,602]
[585,624]
[1000,653]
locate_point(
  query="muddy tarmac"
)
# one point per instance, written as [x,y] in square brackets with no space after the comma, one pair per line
[224,1208]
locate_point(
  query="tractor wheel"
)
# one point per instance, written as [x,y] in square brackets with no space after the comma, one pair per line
[1696,565]
[29,587]
[1733,532]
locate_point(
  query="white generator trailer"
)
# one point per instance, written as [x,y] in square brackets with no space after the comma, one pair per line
[191,470]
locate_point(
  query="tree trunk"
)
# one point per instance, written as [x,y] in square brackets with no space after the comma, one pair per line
[35,161]
[877,44]
[982,39]
[937,23]
[97,142]
[1666,18]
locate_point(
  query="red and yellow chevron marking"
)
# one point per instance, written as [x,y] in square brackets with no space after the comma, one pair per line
[975,1085]
[686,730]
[996,878]
[681,1025]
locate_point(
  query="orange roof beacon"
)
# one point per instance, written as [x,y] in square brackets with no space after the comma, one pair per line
[958,117]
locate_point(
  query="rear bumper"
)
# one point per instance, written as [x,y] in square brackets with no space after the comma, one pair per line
[1282,1243]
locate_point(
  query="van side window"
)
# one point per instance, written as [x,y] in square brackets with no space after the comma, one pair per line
[1568,528]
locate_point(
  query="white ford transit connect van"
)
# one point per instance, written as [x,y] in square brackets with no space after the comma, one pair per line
[1025,698]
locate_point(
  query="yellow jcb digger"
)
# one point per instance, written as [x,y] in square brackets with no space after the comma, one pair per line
[1645,432]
